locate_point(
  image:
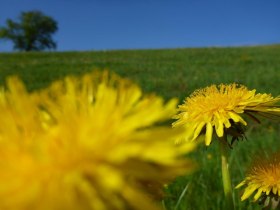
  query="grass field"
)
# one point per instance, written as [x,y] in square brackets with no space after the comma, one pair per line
[177,73]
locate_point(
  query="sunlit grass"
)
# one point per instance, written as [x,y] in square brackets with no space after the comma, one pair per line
[178,73]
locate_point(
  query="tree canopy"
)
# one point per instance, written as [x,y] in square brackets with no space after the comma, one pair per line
[33,31]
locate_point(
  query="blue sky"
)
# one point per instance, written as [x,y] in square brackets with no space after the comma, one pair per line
[145,24]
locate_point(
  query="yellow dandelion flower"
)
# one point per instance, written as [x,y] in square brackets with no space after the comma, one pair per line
[263,179]
[93,142]
[218,109]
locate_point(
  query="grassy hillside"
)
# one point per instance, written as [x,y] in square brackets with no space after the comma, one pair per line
[169,73]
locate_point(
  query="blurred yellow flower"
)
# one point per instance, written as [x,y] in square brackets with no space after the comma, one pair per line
[91,142]
[263,179]
[219,109]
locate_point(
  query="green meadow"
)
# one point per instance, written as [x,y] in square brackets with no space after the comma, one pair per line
[177,73]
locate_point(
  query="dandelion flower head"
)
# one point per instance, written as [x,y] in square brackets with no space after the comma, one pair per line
[263,179]
[90,142]
[218,109]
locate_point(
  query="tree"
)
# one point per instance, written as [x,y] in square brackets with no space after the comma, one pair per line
[33,32]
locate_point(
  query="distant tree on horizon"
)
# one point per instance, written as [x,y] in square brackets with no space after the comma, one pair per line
[33,31]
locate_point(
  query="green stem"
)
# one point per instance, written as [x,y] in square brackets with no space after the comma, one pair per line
[226,176]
